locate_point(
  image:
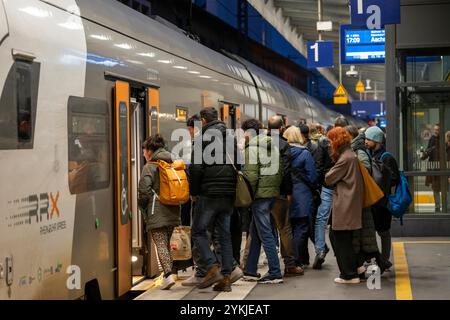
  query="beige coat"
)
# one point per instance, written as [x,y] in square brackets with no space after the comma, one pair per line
[348,192]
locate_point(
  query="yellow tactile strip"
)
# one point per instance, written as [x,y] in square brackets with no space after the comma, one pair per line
[402,281]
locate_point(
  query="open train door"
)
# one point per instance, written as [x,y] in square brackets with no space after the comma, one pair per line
[122,163]
[151,260]
[231,115]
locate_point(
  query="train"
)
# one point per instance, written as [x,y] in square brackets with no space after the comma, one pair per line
[83,83]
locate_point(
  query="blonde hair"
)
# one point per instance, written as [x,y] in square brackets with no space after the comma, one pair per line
[293,135]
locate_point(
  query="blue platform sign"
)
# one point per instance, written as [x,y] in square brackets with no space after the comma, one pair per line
[320,54]
[368,109]
[374,14]
[361,45]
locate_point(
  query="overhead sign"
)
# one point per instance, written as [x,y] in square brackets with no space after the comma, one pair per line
[340,95]
[320,54]
[368,109]
[374,14]
[361,46]
[360,86]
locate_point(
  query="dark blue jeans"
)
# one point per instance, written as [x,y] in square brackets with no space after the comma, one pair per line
[215,214]
[261,231]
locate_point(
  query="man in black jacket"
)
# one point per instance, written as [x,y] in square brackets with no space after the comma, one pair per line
[213,185]
[280,212]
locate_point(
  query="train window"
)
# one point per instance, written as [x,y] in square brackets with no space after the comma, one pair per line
[18,106]
[88,126]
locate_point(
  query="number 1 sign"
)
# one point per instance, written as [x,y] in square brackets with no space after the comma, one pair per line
[320,54]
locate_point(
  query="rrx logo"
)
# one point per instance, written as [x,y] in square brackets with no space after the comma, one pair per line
[44,205]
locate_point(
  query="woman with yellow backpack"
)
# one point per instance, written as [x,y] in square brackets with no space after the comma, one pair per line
[162,189]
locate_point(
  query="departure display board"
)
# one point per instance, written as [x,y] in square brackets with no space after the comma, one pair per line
[360,46]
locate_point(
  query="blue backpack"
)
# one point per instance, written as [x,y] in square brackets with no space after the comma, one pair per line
[401,199]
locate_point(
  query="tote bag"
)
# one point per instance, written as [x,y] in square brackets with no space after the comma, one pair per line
[180,243]
[372,192]
[244,193]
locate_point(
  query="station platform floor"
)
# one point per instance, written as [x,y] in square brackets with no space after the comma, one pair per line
[421,271]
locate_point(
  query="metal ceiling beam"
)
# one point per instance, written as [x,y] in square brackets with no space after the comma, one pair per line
[283,25]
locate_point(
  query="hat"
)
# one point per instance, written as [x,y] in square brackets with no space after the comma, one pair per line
[375,134]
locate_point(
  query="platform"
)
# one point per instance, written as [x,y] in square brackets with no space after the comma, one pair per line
[421,271]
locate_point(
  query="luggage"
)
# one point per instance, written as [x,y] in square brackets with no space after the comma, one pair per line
[173,183]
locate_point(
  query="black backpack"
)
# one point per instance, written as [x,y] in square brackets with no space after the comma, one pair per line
[382,176]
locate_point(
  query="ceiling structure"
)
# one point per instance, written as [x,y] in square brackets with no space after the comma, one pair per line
[296,21]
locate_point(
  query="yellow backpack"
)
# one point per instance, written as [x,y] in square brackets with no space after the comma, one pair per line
[173,183]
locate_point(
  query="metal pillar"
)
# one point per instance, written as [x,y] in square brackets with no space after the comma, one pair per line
[320,16]
[242,22]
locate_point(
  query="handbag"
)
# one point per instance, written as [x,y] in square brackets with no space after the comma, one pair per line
[180,243]
[244,193]
[372,192]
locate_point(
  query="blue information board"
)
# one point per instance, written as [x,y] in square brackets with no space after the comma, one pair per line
[360,46]
[366,13]
[320,54]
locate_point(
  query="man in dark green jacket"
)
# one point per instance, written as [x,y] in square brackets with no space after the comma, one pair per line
[263,169]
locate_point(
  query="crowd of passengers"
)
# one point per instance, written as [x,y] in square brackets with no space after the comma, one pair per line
[318,186]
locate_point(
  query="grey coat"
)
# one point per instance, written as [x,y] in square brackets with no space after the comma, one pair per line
[155,214]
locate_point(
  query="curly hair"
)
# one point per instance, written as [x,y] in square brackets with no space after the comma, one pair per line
[154,143]
[340,139]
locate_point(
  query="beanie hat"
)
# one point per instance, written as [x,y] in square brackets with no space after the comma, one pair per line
[374,133]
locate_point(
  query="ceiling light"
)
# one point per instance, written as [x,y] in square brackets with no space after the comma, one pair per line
[194,72]
[165,61]
[100,37]
[134,61]
[71,25]
[147,54]
[180,67]
[205,77]
[36,12]
[125,46]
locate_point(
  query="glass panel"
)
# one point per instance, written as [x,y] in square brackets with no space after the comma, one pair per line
[431,194]
[427,68]
[88,145]
[427,149]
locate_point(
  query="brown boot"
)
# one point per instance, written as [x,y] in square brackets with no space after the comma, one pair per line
[212,276]
[293,272]
[223,285]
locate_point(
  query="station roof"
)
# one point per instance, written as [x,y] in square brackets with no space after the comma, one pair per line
[296,21]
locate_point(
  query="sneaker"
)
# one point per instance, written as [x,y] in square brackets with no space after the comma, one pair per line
[387,265]
[318,261]
[212,276]
[167,283]
[351,281]
[270,279]
[223,285]
[251,277]
[294,271]
[236,274]
[192,281]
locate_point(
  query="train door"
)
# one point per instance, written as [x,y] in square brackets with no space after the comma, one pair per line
[122,186]
[137,112]
[231,115]
[150,261]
